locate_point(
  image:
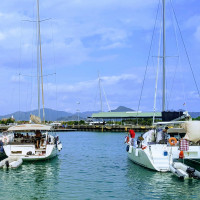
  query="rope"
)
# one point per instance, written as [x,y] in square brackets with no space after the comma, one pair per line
[178,62]
[96,94]
[185,49]
[39,76]
[19,97]
[106,98]
[156,86]
[55,71]
[147,61]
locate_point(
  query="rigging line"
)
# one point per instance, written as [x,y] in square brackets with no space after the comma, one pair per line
[178,62]
[95,100]
[43,20]
[53,45]
[157,71]
[185,49]
[100,92]
[106,98]
[170,93]
[147,61]
[165,56]
[56,96]
[39,76]
[55,68]
[19,98]
[19,66]
[46,86]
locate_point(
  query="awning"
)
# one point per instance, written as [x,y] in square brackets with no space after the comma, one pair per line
[30,127]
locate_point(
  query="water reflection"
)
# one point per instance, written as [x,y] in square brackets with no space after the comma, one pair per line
[35,180]
[149,184]
[92,166]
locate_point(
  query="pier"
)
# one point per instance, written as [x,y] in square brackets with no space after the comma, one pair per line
[97,128]
[105,128]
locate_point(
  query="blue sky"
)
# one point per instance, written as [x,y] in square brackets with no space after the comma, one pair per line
[83,38]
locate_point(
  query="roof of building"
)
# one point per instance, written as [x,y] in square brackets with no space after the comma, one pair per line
[125,114]
[30,127]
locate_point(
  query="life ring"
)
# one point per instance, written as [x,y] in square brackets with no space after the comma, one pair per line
[5,140]
[172,141]
[144,147]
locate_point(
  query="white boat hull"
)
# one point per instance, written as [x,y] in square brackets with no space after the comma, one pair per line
[153,156]
[36,154]
[11,162]
[183,171]
[146,159]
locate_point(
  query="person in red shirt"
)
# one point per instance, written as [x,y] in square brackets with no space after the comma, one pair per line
[132,133]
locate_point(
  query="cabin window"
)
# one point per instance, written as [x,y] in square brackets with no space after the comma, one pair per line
[16,152]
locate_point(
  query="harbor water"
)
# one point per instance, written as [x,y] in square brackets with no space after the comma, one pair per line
[92,165]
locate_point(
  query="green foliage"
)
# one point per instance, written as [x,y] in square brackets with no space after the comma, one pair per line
[139,121]
[70,123]
[7,121]
[198,118]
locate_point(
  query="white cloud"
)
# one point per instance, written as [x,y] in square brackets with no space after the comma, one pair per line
[2,36]
[193,21]
[80,86]
[17,78]
[112,80]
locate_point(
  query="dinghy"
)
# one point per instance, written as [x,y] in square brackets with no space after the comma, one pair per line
[183,171]
[11,162]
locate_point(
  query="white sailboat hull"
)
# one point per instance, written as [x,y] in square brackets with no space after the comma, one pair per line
[36,154]
[159,157]
[140,157]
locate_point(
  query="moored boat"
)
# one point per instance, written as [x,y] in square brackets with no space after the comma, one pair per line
[11,162]
[157,150]
[32,142]
[183,171]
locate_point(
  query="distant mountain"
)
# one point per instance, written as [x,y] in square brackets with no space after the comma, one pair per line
[122,109]
[50,115]
[54,115]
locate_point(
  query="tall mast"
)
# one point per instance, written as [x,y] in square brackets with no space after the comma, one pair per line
[100,93]
[163,103]
[39,62]
[38,57]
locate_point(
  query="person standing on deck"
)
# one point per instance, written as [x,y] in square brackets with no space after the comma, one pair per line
[38,137]
[133,142]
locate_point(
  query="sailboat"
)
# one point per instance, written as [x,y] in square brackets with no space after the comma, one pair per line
[168,141]
[33,141]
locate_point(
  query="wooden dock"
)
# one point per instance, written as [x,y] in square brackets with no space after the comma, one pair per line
[97,128]
[108,128]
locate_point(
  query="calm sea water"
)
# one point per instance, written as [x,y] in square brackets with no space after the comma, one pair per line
[92,166]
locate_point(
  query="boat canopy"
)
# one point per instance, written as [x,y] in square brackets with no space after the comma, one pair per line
[168,123]
[30,127]
[192,130]
[176,130]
